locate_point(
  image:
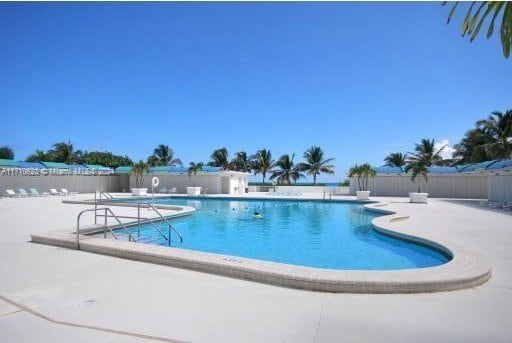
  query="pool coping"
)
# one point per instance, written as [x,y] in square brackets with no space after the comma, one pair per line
[466,268]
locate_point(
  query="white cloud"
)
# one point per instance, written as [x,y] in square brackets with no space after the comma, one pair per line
[447,151]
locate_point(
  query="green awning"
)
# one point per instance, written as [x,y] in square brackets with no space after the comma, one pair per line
[8,163]
[55,165]
[97,167]
[124,169]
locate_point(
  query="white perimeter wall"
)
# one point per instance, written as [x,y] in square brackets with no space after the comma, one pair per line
[74,183]
[500,187]
[470,186]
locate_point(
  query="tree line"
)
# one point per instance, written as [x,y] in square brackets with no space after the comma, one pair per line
[490,139]
[65,152]
[283,170]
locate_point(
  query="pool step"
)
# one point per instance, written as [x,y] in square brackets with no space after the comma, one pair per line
[141,239]
[145,240]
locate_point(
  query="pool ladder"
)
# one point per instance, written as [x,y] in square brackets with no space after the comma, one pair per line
[162,218]
[103,193]
[97,199]
[327,194]
[108,213]
[106,227]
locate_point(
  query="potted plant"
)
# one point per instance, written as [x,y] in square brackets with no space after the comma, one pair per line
[425,155]
[193,169]
[139,169]
[363,173]
[417,171]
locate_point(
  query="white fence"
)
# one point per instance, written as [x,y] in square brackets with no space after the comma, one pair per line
[476,186]
[75,183]
[500,188]
[469,186]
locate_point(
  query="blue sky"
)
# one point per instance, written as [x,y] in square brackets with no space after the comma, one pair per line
[359,79]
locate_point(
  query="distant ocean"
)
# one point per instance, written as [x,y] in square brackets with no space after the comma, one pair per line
[330,184]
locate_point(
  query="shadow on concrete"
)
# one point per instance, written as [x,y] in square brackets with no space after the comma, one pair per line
[477,204]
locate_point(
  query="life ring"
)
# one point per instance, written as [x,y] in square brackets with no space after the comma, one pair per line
[155,181]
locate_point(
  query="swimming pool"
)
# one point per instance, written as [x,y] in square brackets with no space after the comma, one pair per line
[330,235]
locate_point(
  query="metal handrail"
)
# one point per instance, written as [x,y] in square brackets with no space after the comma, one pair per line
[106,209]
[329,193]
[171,227]
[145,220]
[106,194]
[150,221]
[167,238]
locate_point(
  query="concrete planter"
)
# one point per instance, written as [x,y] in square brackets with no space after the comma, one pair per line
[420,198]
[193,191]
[363,195]
[139,191]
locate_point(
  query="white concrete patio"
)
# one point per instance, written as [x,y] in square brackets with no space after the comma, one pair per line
[120,300]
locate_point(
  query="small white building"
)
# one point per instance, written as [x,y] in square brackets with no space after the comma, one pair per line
[213,180]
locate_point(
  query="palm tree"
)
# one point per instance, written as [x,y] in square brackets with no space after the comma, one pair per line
[498,127]
[262,162]
[287,171]
[426,154]
[240,162]
[315,163]
[79,157]
[139,169]
[62,152]
[38,156]
[395,159]
[473,147]
[418,169]
[363,173]
[6,153]
[163,156]
[473,21]
[219,158]
[194,168]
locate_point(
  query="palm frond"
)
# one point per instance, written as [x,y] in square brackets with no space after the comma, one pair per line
[473,21]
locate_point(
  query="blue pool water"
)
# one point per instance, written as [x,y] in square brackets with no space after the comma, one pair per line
[307,233]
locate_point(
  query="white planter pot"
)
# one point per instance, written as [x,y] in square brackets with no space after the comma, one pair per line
[139,191]
[193,191]
[420,198]
[363,195]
